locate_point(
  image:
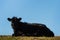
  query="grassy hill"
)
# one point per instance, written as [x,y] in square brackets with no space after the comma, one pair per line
[28,38]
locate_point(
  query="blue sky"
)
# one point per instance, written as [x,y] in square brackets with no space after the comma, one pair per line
[32,11]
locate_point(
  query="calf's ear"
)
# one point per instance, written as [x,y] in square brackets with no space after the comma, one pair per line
[20,19]
[9,19]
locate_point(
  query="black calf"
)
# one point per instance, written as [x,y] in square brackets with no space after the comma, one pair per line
[29,29]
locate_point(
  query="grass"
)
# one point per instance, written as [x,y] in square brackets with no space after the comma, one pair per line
[28,38]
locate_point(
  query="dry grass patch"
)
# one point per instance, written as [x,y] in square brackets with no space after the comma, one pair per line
[28,38]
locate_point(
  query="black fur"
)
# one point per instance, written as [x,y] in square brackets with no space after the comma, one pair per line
[29,29]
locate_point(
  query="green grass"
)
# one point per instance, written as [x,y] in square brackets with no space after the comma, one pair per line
[28,38]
